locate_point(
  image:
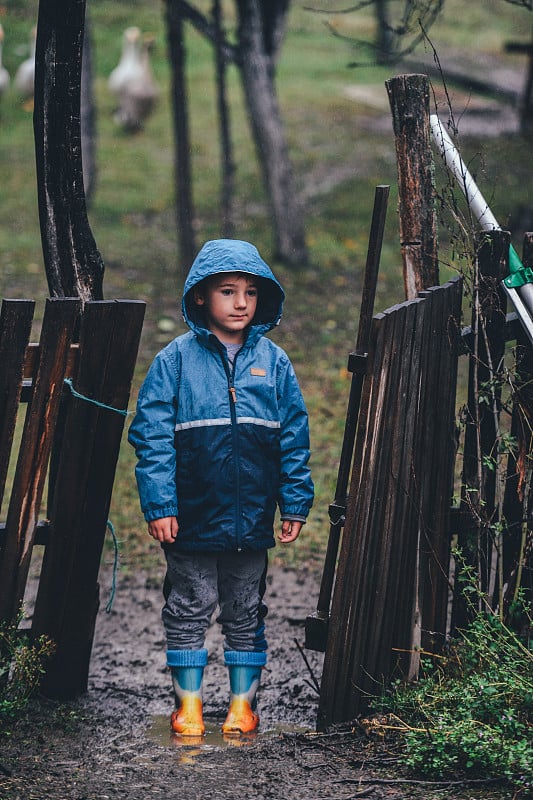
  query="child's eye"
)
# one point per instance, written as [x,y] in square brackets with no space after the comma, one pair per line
[226,292]
[252,292]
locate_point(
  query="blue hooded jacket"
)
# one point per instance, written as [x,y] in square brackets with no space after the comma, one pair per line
[220,464]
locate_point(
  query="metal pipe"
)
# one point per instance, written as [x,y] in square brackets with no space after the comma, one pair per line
[519,283]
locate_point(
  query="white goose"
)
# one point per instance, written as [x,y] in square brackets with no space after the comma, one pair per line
[4,74]
[129,65]
[25,74]
[132,82]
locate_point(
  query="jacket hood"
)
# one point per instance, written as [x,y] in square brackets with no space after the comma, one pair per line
[232,255]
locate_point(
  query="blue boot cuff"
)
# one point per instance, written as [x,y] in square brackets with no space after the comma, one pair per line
[186,658]
[244,658]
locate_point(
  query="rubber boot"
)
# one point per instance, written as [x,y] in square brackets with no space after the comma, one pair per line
[244,674]
[187,667]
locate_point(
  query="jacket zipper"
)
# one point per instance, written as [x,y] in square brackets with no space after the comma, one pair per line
[230,375]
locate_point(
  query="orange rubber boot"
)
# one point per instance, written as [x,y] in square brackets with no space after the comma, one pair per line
[244,673]
[187,668]
[188,720]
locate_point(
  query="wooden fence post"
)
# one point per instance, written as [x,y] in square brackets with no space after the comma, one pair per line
[409,101]
[67,600]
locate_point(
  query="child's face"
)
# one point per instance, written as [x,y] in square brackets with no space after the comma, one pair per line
[230,302]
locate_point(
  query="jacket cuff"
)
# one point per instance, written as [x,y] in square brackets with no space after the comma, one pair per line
[159,513]
[295,512]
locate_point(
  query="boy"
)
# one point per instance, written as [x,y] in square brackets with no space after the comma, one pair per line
[221,436]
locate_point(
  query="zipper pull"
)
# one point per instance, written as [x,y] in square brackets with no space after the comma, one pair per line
[233,394]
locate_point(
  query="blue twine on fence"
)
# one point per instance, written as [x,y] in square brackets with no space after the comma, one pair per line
[122,411]
[109,605]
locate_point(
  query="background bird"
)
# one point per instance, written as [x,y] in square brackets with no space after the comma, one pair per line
[132,82]
[25,75]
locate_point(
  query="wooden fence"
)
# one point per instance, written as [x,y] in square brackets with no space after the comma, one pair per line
[76,382]
[393,592]
[399,498]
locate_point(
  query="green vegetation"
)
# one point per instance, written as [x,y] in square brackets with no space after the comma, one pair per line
[339,157]
[21,667]
[471,711]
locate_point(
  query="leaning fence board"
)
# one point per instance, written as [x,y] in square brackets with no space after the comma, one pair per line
[59,322]
[15,327]
[398,613]
[340,650]
[67,601]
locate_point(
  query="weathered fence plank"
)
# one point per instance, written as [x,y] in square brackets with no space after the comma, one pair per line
[15,327]
[59,322]
[67,600]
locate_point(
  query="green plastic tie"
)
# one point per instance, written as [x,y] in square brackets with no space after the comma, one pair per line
[518,274]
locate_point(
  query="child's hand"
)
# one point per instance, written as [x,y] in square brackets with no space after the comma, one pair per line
[164,529]
[290,530]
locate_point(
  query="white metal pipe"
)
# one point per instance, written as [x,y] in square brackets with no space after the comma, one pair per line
[521,298]
[455,164]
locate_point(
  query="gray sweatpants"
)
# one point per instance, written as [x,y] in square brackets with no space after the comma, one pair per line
[196,583]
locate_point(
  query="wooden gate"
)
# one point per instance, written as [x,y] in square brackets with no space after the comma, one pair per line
[395,546]
[76,383]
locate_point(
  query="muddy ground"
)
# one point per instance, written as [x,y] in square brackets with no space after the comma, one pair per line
[115,741]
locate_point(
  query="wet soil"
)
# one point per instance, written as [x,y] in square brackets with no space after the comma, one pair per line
[115,741]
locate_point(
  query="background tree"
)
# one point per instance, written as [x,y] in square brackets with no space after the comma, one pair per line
[259,34]
[524,48]
[400,26]
[180,112]
[73,264]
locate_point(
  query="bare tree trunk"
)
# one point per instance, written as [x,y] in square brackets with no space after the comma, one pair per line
[180,109]
[74,267]
[384,38]
[226,149]
[257,71]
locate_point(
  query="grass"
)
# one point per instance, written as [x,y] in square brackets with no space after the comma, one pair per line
[337,160]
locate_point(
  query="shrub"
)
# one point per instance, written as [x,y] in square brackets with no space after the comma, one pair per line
[471,710]
[21,667]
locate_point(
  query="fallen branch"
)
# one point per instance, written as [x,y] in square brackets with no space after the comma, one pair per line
[316,685]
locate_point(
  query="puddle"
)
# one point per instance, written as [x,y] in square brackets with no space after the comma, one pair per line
[192,746]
